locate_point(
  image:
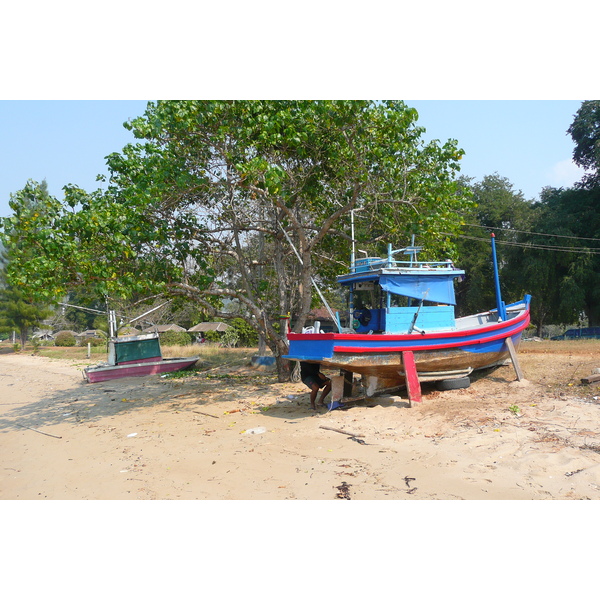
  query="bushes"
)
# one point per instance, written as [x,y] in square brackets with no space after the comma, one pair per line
[247,335]
[64,338]
[175,338]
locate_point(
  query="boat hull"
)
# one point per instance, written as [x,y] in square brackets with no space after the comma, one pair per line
[139,369]
[478,344]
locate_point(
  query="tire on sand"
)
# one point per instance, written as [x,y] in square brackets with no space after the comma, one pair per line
[453,384]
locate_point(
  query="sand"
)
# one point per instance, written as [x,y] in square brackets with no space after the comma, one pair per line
[247,437]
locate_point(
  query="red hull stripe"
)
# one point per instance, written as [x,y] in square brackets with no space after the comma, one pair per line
[407,337]
[457,343]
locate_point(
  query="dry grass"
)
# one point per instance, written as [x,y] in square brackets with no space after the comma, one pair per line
[211,355]
[573,347]
[559,364]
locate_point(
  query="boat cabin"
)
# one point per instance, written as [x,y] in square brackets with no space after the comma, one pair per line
[134,349]
[400,297]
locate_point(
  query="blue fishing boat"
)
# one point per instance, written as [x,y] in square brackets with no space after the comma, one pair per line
[402,317]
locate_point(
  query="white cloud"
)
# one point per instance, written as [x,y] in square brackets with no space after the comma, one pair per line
[565,173]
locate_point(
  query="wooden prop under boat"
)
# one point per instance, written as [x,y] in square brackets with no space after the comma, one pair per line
[135,356]
[415,314]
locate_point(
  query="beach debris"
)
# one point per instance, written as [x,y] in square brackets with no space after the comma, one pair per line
[38,431]
[256,430]
[205,414]
[355,439]
[130,435]
[348,433]
[571,473]
[343,491]
[407,480]
[591,379]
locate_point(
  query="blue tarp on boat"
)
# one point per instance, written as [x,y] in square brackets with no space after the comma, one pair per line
[435,288]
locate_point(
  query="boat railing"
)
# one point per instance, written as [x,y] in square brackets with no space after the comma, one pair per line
[375,263]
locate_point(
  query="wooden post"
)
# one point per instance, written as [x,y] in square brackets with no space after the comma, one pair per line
[341,385]
[412,379]
[337,388]
[348,381]
[513,358]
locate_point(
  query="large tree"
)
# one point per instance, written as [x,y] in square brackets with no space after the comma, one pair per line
[502,210]
[212,202]
[570,263]
[585,132]
[19,309]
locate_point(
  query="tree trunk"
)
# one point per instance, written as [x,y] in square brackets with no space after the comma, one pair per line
[262,345]
[593,313]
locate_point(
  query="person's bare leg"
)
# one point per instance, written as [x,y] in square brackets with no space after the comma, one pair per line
[314,390]
[324,393]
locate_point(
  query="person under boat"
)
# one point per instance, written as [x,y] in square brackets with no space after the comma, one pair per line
[311,376]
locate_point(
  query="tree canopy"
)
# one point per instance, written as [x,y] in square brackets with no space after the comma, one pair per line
[208,204]
[585,132]
[552,245]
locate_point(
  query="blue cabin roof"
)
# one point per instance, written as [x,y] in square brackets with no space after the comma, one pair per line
[433,281]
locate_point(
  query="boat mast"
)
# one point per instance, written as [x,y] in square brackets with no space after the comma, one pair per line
[499,303]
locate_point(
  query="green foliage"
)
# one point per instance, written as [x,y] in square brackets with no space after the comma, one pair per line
[65,338]
[16,312]
[212,336]
[175,338]
[503,210]
[551,264]
[197,208]
[246,335]
[572,278]
[230,338]
[585,132]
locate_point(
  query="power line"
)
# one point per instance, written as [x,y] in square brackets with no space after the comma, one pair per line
[587,251]
[571,237]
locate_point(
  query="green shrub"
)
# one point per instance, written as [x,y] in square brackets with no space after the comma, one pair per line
[175,338]
[230,338]
[64,338]
[247,335]
[96,342]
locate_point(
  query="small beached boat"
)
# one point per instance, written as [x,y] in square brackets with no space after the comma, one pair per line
[402,310]
[135,356]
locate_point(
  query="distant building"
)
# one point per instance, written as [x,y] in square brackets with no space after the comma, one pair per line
[202,328]
[44,335]
[128,331]
[209,326]
[90,333]
[163,328]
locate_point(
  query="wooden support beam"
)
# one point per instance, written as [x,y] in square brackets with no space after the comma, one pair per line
[348,382]
[514,359]
[412,379]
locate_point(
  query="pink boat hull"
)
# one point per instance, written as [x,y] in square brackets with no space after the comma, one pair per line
[139,369]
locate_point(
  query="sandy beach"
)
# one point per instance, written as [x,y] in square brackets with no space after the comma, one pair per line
[239,434]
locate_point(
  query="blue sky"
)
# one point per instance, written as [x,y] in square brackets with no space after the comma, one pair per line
[67,141]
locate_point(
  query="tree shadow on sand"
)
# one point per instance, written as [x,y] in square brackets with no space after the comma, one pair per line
[250,393]
[92,402]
